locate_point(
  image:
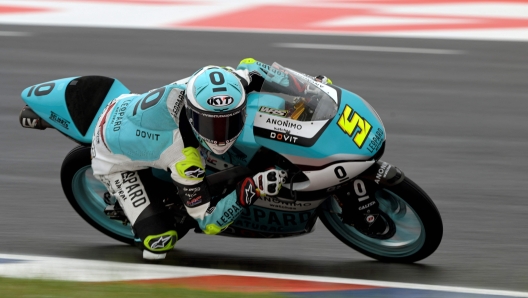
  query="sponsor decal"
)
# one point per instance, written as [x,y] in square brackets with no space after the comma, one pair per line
[161,242]
[230,214]
[281,113]
[192,196]
[264,220]
[211,160]
[371,218]
[217,115]
[316,83]
[61,121]
[194,201]
[284,125]
[210,210]
[333,188]
[146,154]
[147,135]
[382,172]
[366,206]
[194,172]
[305,133]
[220,101]
[250,193]
[118,114]
[217,163]
[176,109]
[192,189]
[274,203]
[376,141]
[29,122]
[350,121]
[283,137]
[270,71]
[215,142]
[131,189]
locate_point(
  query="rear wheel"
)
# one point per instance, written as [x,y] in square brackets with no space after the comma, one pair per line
[417,223]
[86,195]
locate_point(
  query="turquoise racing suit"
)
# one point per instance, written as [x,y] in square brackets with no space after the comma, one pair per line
[137,132]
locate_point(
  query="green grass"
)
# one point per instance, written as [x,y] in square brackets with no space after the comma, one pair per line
[35,288]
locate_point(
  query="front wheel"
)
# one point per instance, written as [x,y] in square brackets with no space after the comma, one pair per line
[418,225]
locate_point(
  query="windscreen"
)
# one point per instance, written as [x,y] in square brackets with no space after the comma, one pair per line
[304,99]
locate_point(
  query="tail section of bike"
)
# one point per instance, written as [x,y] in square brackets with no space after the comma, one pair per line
[70,105]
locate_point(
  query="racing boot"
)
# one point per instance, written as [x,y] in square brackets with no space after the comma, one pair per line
[156,230]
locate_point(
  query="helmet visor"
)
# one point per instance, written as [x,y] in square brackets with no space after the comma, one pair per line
[219,129]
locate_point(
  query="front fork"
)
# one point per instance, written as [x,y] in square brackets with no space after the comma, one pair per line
[362,189]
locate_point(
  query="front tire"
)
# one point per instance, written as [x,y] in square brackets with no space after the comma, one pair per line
[418,225]
[85,194]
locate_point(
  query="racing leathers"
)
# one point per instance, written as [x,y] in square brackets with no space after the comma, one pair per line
[137,132]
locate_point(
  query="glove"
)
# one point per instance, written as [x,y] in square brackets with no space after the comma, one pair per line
[270,182]
[263,184]
[323,79]
[247,192]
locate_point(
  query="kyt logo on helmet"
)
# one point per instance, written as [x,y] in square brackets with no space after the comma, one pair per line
[220,101]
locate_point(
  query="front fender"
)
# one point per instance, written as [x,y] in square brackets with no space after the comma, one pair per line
[383,174]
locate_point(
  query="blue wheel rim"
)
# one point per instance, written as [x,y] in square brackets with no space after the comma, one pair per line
[88,192]
[410,231]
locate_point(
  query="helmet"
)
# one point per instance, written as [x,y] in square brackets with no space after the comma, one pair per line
[216,107]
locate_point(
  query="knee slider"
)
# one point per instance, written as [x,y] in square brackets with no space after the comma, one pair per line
[157,232]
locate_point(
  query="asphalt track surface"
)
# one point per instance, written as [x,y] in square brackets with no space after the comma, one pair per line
[456,125]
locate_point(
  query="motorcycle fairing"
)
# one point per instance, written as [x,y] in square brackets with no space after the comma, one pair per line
[336,137]
[331,175]
[283,223]
[333,159]
[300,133]
[288,204]
[72,105]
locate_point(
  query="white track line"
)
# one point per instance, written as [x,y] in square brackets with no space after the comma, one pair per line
[14,33]
[97,271]
[367,48]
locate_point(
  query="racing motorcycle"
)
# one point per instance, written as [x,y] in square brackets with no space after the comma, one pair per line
[329,140]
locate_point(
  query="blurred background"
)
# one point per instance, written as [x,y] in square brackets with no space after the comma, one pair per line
[448,78]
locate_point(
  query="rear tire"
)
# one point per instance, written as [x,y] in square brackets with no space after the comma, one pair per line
[85,194]
[418,224]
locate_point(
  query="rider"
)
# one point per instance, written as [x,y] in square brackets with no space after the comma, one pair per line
[171,128]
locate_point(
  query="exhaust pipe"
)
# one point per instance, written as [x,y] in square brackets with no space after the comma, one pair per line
[30,119]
